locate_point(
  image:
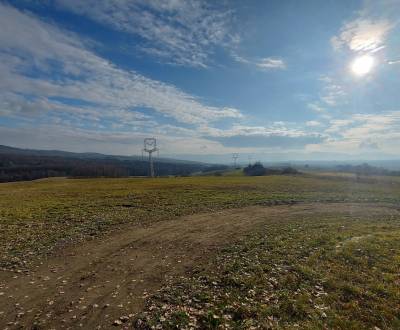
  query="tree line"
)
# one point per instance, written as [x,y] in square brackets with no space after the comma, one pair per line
[29,167]
[257,169]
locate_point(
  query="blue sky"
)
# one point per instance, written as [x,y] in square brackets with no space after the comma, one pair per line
[275,80]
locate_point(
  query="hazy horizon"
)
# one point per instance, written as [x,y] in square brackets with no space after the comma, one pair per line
[244,159]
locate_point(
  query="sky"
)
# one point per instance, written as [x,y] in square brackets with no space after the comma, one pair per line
[269,80]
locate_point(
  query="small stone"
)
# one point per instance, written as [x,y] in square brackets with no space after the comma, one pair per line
[124,318]
[117,322]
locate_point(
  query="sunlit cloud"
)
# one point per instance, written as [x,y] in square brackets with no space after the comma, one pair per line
[363,35]
[362,132]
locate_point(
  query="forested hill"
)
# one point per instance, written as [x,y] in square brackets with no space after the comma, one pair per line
[25,164]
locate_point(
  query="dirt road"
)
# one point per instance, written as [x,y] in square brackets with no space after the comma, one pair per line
[93,284]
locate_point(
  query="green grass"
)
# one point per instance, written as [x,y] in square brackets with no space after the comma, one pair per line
[37,216]
[314,271]
[319,271]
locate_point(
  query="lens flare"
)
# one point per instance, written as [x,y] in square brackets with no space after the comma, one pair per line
[362,65]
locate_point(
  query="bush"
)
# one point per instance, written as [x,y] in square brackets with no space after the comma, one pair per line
[256,169]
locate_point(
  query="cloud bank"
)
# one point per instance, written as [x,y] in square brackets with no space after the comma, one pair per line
[182,32]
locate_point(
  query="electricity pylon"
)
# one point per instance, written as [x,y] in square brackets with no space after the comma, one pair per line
[150,146]
[235,156]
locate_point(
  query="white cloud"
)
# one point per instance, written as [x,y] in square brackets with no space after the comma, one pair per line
[363,35]
[373,125]
[58,136]
[269,63]
[182,32]
[240,59]
[333,94]
[261,138]
[276,128]
[76,139]
[94,105]
[313,123]
[316,107]
[338,125]
[100,89]
[360,132]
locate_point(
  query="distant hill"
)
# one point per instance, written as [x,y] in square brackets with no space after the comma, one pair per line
[84,155]
[26,164]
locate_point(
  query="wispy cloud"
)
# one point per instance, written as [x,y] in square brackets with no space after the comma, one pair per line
[276,135]
[269,63]
[332,94]
[316,107]
[313,123]
[97,87]
[182,32]
[59,136]
[363,35]
[360,132]
[264,64]
[78,96]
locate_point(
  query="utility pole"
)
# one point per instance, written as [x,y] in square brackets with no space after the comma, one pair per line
[150,146]
[235,156]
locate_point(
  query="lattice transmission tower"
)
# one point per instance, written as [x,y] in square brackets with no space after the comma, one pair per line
[235,157]
[150,146]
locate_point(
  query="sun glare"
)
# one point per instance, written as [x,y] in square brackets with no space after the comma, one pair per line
[362,65]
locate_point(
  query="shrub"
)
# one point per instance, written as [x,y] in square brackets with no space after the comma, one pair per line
[256,169]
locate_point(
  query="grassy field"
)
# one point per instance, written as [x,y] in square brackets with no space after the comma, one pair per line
[37,216]
[321,270]
[314,271]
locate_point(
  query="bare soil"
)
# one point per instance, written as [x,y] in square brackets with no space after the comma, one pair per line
[92,284]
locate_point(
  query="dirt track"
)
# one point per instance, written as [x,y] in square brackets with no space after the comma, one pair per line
[97,282]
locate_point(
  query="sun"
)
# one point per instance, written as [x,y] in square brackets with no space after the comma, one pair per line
[362,65]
